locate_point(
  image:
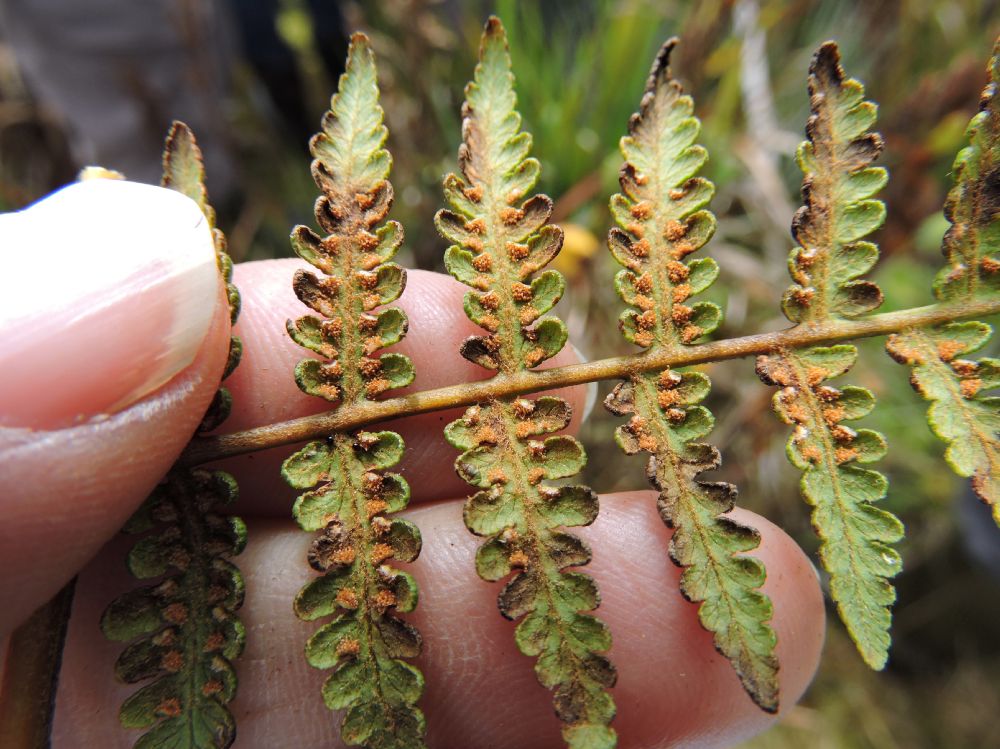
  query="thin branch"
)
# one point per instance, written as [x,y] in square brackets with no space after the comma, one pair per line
[206,449]
[31,674]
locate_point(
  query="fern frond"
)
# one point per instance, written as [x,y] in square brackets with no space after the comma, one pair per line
[662,219]
[501,239]
[365,642]
[187,629]
[837,188]
[855,536]
[960,414]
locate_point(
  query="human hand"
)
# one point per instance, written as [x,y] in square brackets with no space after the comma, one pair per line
[673,688]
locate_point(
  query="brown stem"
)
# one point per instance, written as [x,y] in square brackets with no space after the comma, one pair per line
[31,673]
[576,196]
[205,449]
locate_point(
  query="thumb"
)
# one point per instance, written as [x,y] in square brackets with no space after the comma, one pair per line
[113,337]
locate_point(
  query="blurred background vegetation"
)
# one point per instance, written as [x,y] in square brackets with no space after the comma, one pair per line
[580,67]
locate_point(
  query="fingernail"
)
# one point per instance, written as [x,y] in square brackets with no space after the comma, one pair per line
[107,290]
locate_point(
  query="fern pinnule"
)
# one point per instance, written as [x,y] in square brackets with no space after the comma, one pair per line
[838,212]
[184,629]
[960,412]
[662,220]
[501,239]
[365,642]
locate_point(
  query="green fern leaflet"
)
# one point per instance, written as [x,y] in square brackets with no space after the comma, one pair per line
[348,496]
[662,220]
[501,239]
[960,413]
[838,212]
[185,631]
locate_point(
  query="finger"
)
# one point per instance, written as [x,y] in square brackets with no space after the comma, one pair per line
[107,364]
[673,688]
[264,389]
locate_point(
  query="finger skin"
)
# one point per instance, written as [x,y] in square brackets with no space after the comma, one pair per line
[673,688]
[264,389]
[64,493]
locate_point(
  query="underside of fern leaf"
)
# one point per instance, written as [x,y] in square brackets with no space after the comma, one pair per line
[184,630]
[187,623]
[856,536]
[967,420]
[838,212]
[972,207]
[352,498]
[662,219]
[960,414]
[501,239]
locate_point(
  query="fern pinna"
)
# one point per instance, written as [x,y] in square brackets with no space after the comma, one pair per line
[662,219]
[501,239]
[960,414]
[365,641]
[184,629]
[837,213]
